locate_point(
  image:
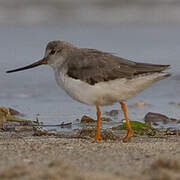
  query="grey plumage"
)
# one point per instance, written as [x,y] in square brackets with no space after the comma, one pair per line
[93,66]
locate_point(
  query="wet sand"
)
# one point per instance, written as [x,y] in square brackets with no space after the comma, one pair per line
[30,157]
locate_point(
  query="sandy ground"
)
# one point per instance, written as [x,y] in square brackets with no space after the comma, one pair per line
[30,157]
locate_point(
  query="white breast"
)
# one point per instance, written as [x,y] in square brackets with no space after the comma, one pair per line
[105,93]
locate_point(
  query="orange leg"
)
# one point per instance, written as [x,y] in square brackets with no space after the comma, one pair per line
[130,131]
[98,137]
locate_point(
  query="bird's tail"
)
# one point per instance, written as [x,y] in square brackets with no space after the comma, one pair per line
[150,68]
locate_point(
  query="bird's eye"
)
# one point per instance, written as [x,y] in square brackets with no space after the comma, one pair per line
[52,52]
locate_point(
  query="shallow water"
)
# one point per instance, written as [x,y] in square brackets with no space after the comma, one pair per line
[34,92]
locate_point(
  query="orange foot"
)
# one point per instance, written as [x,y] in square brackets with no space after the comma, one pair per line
[128,136]
[97,138]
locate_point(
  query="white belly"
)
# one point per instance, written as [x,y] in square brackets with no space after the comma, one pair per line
[106,93]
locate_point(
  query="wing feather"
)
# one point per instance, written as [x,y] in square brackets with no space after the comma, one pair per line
[93,66]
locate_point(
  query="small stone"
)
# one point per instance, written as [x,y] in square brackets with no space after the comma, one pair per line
[113,113]
[152,117]
[14,112]
[10,111]
[87,119]
[172,132]
[4,111]
[173,119]
[38,131]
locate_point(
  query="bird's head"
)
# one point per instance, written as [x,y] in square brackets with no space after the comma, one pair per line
[55,55]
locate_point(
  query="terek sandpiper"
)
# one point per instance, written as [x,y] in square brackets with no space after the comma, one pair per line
[98,78]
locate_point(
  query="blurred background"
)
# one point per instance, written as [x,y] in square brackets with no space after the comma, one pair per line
[139,30]
[89,12]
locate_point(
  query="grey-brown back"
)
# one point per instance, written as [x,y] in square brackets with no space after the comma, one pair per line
[93,66]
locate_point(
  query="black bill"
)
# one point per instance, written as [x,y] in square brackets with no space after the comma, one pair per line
[38,63]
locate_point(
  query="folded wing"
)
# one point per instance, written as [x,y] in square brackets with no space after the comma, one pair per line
[93,66]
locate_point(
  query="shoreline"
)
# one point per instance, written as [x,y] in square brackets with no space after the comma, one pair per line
[31,157]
